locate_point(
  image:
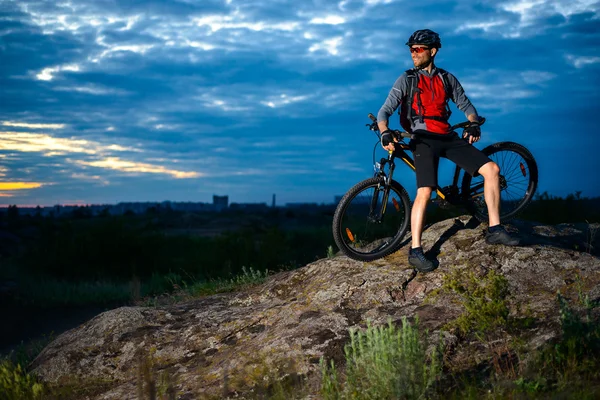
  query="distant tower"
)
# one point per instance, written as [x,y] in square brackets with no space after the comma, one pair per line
[220,202]
[273,204]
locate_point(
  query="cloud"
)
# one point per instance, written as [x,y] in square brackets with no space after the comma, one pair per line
[237,21]
[582,61]
[19,185]
[328,20]
[509,91]
[283,100]
[47,74]
[330,46]
[90,178]
[110,49]
[537,77]
[533,17]
[377,2]
[484,26]
[33,126]
[49,145]
[96,90]
[506,84]
[128,94]
[117,164]
[531,10]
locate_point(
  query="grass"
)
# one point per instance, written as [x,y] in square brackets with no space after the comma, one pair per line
[184,291]
[590,235]
[330,252]
[567,368]
[24,353]
[52,293]
[576,357]
[47,292]
[16,384]
[484,299]
[153,385]
[383,362]
[393,361]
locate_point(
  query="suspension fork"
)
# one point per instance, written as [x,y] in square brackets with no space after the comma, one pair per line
[387,183]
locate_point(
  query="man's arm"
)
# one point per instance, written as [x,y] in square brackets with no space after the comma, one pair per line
[391,104]
[383,125]
[461,100]
[473,117]
[464,104]
[393,101]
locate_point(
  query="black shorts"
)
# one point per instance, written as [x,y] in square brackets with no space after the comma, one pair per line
[428,149]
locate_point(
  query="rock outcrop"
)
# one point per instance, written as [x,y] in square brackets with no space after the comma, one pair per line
[227,343]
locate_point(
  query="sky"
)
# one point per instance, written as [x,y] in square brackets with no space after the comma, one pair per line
[106,101]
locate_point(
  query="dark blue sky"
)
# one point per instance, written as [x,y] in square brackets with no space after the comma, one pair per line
[109,101]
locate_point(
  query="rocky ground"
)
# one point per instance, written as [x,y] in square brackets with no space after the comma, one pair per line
[227,344]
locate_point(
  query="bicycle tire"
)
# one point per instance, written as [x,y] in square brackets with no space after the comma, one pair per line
[519,178]
[358,236]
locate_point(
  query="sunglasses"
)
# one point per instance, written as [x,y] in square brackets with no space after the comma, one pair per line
[418,50]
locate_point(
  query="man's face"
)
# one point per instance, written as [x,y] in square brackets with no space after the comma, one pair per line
[421,55]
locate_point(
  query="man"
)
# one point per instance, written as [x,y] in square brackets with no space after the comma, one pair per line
[423,95]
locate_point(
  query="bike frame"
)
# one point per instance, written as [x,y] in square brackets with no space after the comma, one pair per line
[401,153]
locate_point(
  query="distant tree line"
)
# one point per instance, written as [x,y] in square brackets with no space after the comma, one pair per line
[120,247]
[82,247]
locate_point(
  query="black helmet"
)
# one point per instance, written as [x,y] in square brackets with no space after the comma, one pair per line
[426,37]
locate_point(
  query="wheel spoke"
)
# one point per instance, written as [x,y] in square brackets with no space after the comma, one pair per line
[369,233]
[518,188]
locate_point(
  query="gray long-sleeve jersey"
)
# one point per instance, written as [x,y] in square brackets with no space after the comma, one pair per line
[433,96]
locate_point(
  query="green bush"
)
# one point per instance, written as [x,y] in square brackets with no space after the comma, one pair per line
[16,384]
[577,355]
[483,298]
[383,362]
[567,368]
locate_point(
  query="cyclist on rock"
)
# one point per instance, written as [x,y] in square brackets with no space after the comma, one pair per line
[423,94]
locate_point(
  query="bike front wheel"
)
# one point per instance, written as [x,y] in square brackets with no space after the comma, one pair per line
[518,181]
[369,223]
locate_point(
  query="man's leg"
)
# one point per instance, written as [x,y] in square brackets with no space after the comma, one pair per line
[495,234]
[416,257]
[426,163]
[417,216]
[491,191]
[474,161]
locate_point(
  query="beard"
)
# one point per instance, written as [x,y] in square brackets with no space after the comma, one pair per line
[422,64]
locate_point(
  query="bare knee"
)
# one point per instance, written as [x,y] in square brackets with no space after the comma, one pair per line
[489,170]
[424,193]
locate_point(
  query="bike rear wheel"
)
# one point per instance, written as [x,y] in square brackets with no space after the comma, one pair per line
[518,181]
[359,231]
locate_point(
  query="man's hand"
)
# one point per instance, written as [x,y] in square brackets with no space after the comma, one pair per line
[387,140]
[473,132]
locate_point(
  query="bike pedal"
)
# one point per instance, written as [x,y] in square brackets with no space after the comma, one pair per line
[441,203]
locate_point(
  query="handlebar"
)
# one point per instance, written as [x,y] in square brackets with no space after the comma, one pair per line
[466,124]
[401,134]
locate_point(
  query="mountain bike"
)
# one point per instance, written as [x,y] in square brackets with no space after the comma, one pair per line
[373,216]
